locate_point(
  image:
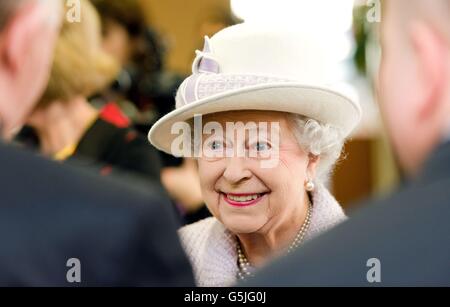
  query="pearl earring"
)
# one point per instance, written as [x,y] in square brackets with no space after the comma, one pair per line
[309,185]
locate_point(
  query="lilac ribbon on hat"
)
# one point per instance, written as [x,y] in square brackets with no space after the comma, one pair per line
[207,64]
[206,79]
[203,65]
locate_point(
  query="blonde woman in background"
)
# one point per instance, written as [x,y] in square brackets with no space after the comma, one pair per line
[67,126]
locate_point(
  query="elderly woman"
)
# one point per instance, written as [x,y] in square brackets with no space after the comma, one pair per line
[261,179]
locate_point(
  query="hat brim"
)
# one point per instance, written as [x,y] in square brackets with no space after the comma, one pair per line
[321,104]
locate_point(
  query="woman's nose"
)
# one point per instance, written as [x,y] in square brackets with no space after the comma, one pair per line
[236,170]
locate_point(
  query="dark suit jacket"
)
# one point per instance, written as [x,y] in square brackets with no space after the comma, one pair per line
[409,233]
[50,213]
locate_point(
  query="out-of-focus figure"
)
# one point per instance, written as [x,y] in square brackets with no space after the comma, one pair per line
[52,215]
[143,80]
[68,127]
[403,240]
[24,68]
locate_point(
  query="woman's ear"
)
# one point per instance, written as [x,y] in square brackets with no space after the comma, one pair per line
[313,161]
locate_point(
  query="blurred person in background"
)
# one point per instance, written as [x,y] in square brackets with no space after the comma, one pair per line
[145,91]
[258,212]
[51,213]
[68,127]
[143,80]
[403,240]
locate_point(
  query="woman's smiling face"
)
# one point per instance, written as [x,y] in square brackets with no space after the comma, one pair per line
[243,195]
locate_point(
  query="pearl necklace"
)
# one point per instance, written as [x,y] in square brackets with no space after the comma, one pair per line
[246,269]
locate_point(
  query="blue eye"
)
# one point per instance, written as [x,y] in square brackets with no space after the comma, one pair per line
[262,146]
[215,145]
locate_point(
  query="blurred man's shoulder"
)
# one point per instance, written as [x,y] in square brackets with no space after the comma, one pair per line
[26,174]
[51,213]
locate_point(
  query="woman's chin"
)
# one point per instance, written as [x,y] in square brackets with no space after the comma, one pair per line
[242,225]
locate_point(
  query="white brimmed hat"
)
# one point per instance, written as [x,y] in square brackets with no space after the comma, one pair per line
[247,67]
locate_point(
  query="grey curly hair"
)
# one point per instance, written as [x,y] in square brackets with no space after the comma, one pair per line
[321,140]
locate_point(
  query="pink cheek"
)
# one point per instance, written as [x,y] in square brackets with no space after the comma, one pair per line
[209,173]
[292,164]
